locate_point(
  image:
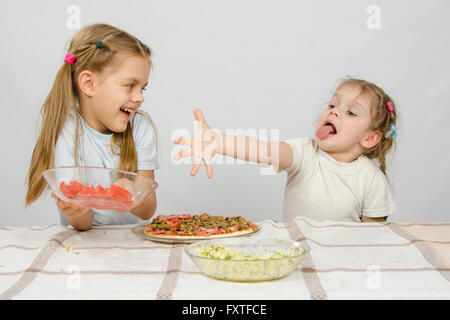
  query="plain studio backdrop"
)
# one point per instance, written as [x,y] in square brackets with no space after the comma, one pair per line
[266,67]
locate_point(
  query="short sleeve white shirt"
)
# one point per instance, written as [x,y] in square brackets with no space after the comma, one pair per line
[322,188]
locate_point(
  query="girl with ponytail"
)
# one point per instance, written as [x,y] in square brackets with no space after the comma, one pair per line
[91,117]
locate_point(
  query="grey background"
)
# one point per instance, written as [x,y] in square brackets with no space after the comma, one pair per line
[247,64]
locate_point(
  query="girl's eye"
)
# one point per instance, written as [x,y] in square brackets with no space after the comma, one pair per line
[130,86]
[331,106]
[144,88]
[351,113]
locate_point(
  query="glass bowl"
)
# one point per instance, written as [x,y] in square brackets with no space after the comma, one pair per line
[100,188]
[246,259]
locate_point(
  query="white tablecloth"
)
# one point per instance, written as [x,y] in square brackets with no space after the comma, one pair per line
[346,261]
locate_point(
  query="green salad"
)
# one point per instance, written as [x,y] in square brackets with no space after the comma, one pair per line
[224,263]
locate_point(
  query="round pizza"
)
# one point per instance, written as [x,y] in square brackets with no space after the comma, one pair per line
[186,226]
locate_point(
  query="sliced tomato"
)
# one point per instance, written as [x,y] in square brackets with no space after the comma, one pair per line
[99,193]
[116,198]
[212,231]
[76,186]
[66,190]
[200,232]
[184,216]
[108,194]
[91,204]
[173,223]
[122,206]
[84,194]
[120,193]
[100,190]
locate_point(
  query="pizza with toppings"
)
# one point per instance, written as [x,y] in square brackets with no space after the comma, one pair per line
[193,227]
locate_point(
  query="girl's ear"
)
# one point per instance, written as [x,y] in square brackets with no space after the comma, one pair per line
[371,139]
[86,82]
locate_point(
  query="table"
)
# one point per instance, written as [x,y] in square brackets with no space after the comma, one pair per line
[347,261]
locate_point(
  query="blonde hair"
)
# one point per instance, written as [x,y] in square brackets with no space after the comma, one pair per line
[64,98]
[381,118]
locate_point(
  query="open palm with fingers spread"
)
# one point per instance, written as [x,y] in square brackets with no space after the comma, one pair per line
[203,145]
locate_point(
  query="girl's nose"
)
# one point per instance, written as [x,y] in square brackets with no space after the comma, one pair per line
[138,98]
[334,112]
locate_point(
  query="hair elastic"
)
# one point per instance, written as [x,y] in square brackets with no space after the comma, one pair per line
[392,131]
[99,44]
[390,106]
[70,58]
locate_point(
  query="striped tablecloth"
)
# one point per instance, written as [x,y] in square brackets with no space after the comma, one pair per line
[347,261]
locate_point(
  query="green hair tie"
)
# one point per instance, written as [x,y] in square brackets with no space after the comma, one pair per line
[99,44]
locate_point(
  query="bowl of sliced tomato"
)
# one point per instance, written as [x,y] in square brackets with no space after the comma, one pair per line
[99,188]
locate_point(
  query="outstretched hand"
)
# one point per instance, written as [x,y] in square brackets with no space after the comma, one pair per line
[203,145]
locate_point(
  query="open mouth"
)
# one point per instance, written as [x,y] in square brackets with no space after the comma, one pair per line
[326,130]
[125,111]
[333,131]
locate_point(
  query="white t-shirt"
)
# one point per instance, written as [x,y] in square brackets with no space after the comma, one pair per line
[94,150]
[321,188]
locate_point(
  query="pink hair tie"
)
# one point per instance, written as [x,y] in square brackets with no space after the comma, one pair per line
[390,106]
[70,58]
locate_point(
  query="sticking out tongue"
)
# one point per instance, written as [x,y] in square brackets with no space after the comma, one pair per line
[325,131]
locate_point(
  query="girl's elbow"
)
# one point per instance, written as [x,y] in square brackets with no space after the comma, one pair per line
[151,212]
[145,211]
[82,228]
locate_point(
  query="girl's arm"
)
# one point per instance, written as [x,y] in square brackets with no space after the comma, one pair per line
[251,149]
[146,209]
[206,143]
[367,219]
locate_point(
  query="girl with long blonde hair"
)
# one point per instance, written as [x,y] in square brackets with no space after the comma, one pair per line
[91,117]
